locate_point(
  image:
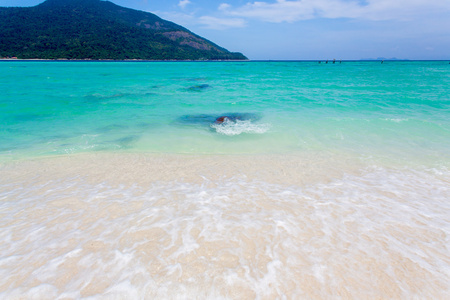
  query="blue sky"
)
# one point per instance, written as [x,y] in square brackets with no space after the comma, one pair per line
[310,29]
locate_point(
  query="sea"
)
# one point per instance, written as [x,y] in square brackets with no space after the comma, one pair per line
[225,180]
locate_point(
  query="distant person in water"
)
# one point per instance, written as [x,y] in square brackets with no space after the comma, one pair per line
[230,118]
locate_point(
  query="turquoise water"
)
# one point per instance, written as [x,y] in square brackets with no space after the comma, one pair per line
[395,110]
[317,181]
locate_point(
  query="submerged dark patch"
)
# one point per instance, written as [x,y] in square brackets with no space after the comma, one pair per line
[198,88]
[208,119]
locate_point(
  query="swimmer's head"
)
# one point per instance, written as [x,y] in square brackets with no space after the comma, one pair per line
[222,119]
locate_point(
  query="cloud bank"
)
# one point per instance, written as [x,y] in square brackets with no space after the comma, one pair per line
[226,15]
[297,10]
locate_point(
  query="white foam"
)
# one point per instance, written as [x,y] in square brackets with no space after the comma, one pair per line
[229,127]
[397,120]
[383,233]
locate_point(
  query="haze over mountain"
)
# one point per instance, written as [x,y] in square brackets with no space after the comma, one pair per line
[94,29]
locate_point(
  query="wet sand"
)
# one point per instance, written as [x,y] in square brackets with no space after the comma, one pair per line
[314,226]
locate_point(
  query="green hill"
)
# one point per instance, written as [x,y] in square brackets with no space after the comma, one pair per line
[94,29]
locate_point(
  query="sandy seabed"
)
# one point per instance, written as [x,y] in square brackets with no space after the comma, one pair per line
[139,226]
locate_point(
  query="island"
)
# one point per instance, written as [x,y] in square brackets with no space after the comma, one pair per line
[94,29]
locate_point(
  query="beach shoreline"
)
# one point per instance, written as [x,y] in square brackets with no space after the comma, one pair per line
[116,180]
[239,226]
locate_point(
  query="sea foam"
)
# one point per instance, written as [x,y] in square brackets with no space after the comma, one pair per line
[358,235]
[238,127]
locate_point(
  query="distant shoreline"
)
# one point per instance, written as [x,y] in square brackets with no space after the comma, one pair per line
[116,60]
[324,61]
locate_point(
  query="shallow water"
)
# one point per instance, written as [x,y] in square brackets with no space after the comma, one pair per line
[326,181]
[397,109]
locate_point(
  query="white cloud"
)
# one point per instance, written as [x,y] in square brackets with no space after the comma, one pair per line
[277,11]
[295,10]
[224,6]
[183,3]
[221,23]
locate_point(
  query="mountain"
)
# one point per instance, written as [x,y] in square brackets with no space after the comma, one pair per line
[94,29]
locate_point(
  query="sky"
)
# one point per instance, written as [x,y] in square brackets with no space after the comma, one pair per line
[310,29]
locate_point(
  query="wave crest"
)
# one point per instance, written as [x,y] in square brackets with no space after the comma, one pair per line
[230,127]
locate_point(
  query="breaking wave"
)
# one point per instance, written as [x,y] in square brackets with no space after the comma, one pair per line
[229,127]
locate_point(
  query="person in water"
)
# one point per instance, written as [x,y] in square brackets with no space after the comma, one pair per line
[220,120]
[223,119]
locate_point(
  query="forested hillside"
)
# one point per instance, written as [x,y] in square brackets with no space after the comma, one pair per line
[94,29]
